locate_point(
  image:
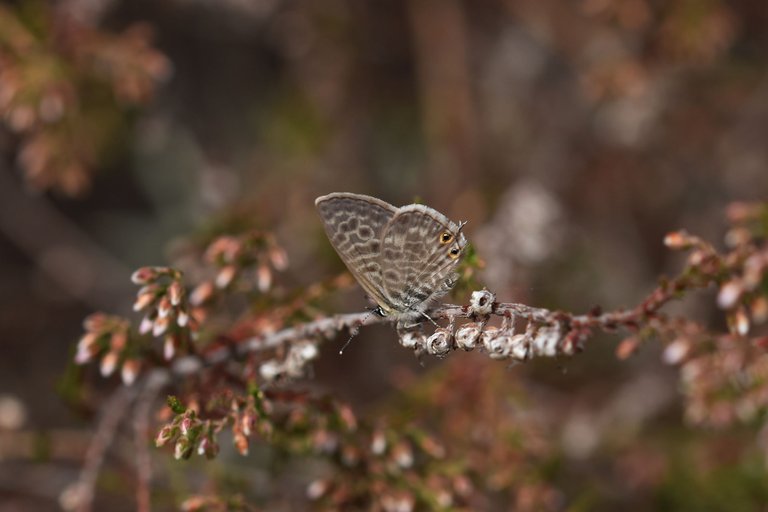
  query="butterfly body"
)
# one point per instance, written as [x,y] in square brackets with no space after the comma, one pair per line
[404,258]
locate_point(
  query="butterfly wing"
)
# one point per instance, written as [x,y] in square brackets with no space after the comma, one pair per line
[354,224]
[420,249]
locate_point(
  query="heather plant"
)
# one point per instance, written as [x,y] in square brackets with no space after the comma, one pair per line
[234,355]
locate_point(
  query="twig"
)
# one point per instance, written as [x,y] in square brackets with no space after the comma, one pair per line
[330,326]
[154,382]
[117,406]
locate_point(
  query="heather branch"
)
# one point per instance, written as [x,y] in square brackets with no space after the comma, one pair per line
[577,326]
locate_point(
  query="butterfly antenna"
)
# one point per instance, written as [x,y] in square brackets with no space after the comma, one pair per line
[355,331]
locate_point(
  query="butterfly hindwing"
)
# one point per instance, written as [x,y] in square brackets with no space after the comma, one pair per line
[417,264]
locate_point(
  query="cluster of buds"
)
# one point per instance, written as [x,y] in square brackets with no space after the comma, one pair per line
[107,337]
[163,300]
[723,374]
[397,462]
[41,78]
[250,416]
[188,434]
[293,365]
[245,258]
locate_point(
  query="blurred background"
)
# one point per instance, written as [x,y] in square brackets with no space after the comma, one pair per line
[572,135]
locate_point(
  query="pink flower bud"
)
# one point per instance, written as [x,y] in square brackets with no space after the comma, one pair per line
[146,324]
[169,347]
[278,258]
[264,277]
[109,363]
[225,276]
[144,275]
[118,340]
[676,351]
[164,306]
[94,322]
[729,294]
[160,326]
[130,371]
[679,240]
[175,292]
[202,293]
[182,318]
[143,301]
[166,434]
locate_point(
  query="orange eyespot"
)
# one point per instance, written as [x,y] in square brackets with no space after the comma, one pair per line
[454,253]
[446,237]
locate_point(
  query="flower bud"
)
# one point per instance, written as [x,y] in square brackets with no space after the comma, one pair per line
[129,371]
[170,344]
[160,326]
[263,277]
[143,301]
[118,340]
[175,292]
[95,322]
[729,294]
[241,443]
[202,293]
[378,443]
[109,363]
[144,275]
[146,324]
[167,433]
[759,309]
[87,348]
[278,258]
[403,455]
[164,306]
[317,489]
[676,351]
[183,448]
[225,276]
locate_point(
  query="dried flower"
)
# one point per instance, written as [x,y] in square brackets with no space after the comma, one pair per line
[439,343]
[481,303]
[412,340]
[270,370]
[468,335]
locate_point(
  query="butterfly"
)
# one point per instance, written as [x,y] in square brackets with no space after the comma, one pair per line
[404,258]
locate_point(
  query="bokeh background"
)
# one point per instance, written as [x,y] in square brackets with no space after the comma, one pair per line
[572,135]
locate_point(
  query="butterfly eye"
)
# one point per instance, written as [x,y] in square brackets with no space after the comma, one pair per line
[445,237]
[454,253]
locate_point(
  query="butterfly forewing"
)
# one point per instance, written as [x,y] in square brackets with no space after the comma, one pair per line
[354,225]
[416,261]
